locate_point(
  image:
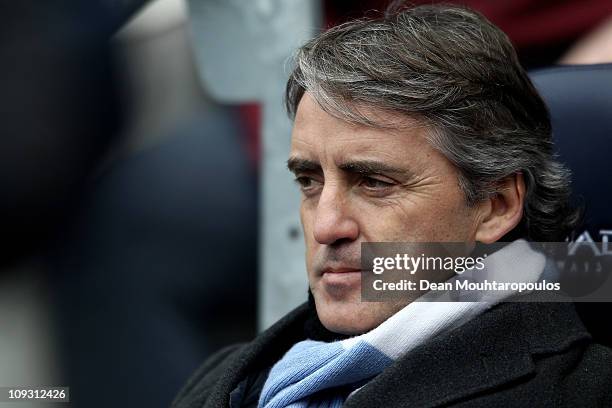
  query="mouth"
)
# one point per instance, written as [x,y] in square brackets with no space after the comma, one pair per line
[341,277]
[340,270]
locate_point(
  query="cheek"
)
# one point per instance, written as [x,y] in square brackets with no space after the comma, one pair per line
[306,218]
[451,222]
[392,221]
[445,218]
[306,221]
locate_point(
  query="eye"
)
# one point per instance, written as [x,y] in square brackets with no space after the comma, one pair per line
[304,182]
[372,183]
[307,184]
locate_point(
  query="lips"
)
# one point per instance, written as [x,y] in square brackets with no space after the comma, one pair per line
[340,282]
[339,270]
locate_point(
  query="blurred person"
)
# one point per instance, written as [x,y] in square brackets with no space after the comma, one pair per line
[59,113]
[110,210]
[418,126]
[593,48]
[142,271]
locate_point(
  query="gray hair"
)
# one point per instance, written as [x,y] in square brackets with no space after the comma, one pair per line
[458,74]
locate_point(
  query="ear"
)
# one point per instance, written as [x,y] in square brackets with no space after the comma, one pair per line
[502,212]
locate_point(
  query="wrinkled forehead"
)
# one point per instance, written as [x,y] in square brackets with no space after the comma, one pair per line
[319,133]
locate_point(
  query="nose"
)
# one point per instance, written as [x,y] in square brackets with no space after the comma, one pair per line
[333,220]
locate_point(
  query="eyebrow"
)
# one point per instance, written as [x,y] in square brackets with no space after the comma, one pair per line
[372,167]
[297,165]
[364,167]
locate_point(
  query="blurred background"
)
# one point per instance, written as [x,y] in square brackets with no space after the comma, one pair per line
[146,212]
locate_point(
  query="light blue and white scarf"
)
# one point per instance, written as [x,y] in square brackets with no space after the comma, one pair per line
[318,374]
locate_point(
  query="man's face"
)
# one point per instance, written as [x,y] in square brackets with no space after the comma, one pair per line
[363,184]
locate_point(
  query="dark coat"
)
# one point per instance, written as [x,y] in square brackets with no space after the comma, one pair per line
[514,355]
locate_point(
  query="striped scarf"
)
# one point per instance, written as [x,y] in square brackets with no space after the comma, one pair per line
[319,374]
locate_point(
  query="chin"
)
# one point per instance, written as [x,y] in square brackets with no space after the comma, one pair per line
[348,318]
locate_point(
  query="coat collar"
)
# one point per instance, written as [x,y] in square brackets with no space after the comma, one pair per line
[262,352]
[495,348]
[485,353]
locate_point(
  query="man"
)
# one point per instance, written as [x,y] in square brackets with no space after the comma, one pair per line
[419,126]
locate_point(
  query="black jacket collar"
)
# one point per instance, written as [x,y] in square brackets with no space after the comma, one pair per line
[495,348]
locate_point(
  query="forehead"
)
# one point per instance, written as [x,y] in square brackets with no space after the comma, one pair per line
[317,133]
